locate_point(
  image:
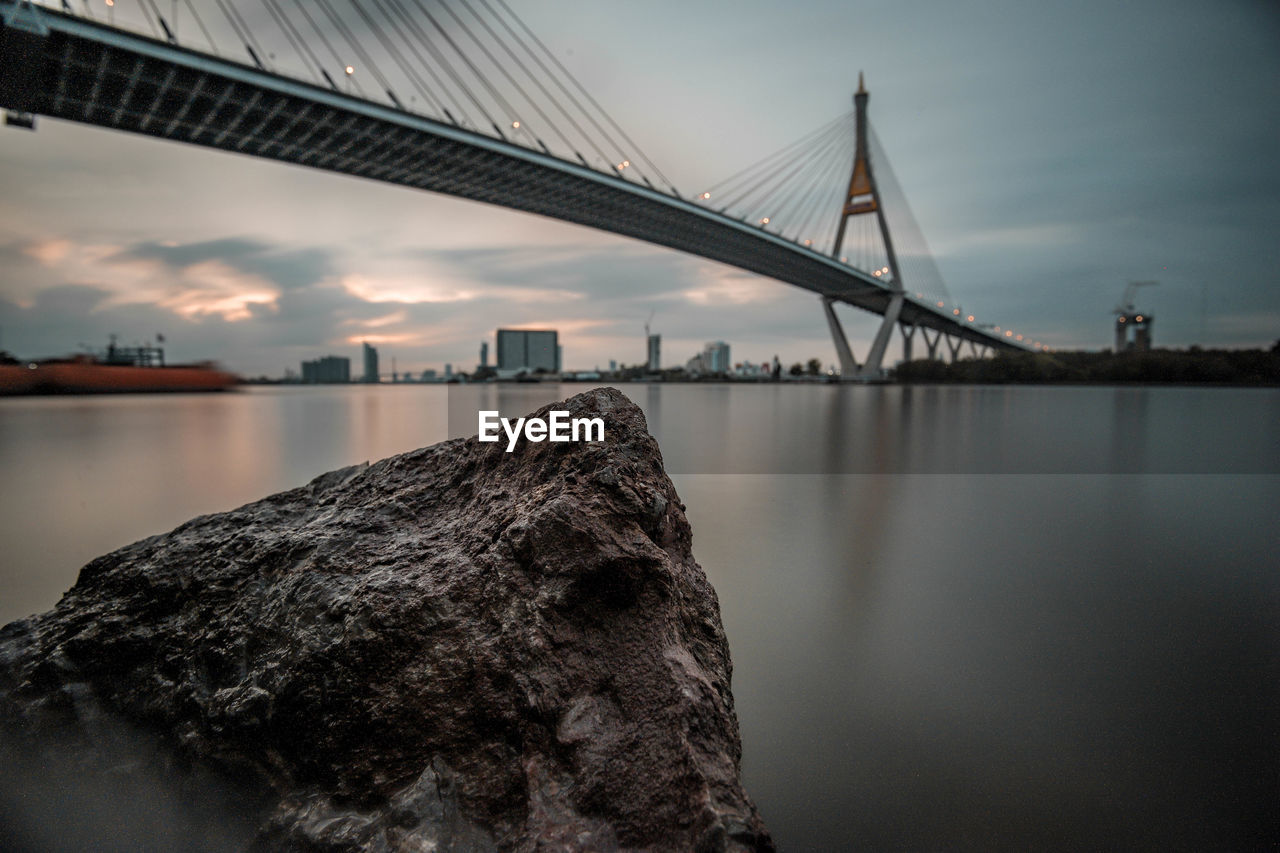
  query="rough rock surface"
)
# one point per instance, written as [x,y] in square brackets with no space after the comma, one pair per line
[457,648]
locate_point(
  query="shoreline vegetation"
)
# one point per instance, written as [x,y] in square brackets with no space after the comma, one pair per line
[1192,366]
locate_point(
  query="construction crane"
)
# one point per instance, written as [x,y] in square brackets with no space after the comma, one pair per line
[1128,317]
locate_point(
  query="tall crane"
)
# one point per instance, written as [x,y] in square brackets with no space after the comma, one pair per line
[1128,317]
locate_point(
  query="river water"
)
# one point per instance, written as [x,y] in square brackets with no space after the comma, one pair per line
[960,617]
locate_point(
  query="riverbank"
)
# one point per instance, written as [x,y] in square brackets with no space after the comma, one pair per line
[1175,367]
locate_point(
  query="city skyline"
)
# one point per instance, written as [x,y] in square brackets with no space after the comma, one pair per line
[1049,155]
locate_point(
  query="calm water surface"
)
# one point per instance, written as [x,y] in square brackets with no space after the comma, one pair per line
[960,618]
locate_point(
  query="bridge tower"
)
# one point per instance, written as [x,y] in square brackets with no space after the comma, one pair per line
[861,199]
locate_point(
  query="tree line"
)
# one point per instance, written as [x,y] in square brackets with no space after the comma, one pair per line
[1193,366]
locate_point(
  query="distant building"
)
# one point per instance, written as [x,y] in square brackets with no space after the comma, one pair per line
[528,349]
[717,353]
[484,353]
[654,363]
[428,375]
[613,365]
[1141,325]
[371,365]
[448,372]
[327,370]
[714,359]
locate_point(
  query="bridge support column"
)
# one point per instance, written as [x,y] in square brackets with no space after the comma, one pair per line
[872,369]
[973,348]
[955,348]
[931,344]
[906,340]
[848,366]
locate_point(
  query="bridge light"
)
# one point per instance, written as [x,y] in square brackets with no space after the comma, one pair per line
[350,70]
[970,318]
[1121,320]
[956,312]
[876,273]
[111,2]
[844,259]
[1019,337]
[1008,334]
[764,220]
[808,242]
[939,303]
[1138,318]
[515,125]
[705,196]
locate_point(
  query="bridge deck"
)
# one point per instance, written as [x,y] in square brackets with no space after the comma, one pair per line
[82,71]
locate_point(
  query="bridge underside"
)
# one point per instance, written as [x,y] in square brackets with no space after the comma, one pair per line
[85,72]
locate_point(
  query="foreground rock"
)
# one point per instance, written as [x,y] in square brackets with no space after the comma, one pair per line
[453,649]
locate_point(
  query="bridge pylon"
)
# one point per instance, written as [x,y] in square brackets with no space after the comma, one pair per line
[863,198]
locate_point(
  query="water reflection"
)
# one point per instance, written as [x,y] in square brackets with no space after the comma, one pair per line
[953,627]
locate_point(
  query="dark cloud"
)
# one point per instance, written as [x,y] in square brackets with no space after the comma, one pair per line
[70,299]
[622,271]
[289,269]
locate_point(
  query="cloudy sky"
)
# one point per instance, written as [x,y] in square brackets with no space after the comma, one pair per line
[1050,154]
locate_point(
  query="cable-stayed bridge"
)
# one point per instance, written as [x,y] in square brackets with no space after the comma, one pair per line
[443,122]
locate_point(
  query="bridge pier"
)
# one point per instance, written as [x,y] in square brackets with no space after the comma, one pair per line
[873,370]
[906,339]
[848,366]
[955,347]
[931,344]
[973,348]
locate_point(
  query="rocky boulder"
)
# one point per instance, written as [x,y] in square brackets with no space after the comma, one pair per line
[458,648]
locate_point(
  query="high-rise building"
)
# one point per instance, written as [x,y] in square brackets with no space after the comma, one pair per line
[528,349]
[716,354]
[654,363]
[448,372]
[484,353]
[714,359]
[330,369]
[371,364]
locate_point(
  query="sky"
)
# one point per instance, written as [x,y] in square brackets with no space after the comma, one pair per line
[1050,152]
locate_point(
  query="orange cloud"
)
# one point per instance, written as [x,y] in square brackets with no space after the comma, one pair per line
[48,252]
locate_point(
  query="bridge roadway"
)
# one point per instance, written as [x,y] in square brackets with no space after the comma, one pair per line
[72,68]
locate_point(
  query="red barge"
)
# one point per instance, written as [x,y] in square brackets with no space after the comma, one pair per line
[120,370]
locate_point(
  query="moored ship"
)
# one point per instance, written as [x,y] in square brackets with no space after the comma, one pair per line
[119,370]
